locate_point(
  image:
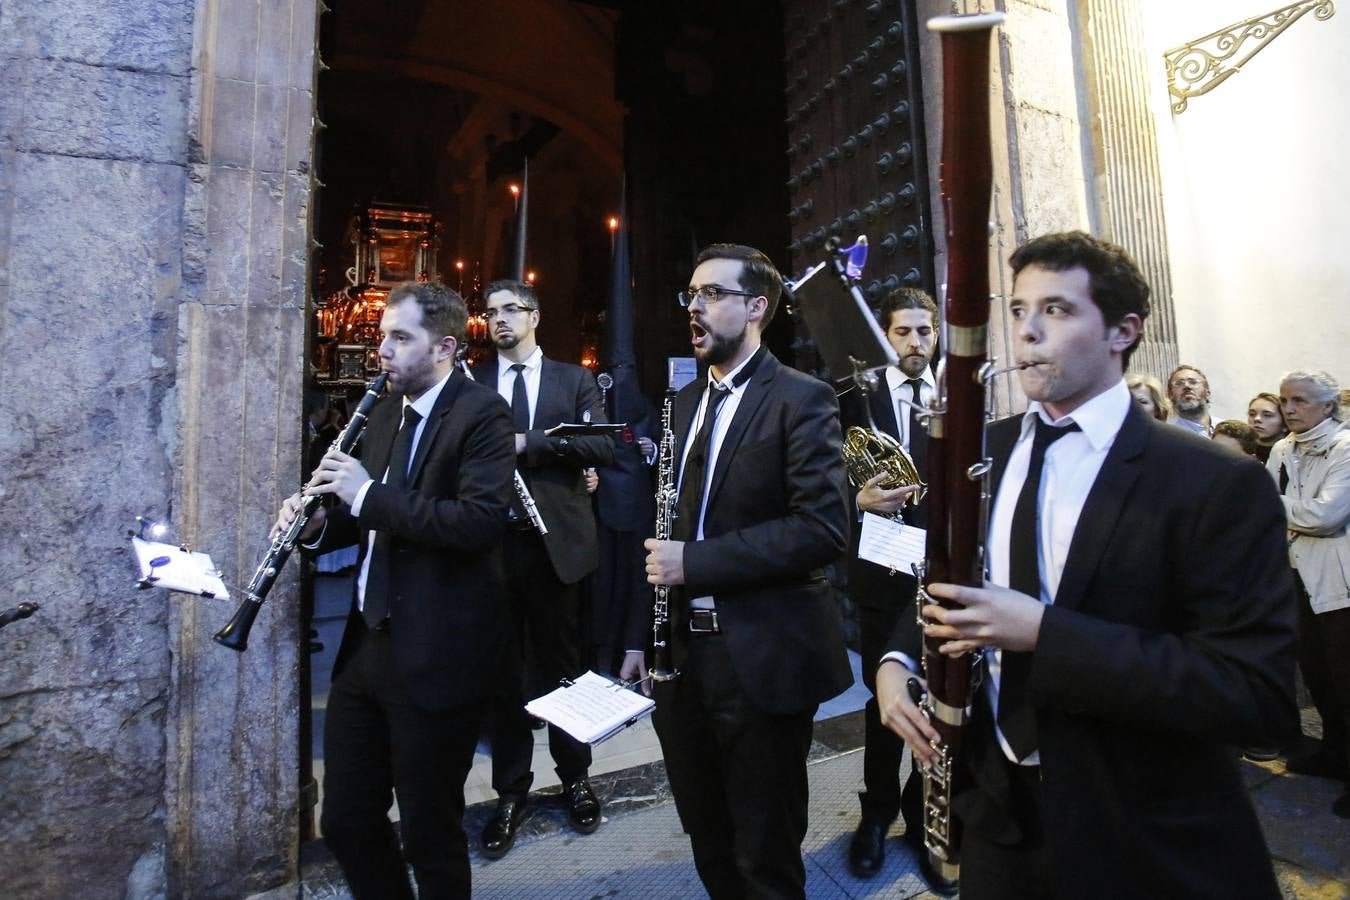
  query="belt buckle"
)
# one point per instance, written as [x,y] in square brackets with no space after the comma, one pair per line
[703,621]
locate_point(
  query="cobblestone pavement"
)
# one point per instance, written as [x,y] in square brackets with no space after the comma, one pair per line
[640,851]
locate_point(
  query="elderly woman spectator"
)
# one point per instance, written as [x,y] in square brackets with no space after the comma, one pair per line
[1263,414]
[1312,467]
[1148,392]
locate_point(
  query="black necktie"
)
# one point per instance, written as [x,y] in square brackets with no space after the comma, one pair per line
[1016,718]
[918,450]
[520,401]
[695,480]
[685,527]
[375,606]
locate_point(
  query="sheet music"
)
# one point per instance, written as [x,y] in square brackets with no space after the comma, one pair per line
[178,569]
[890,543]
[591,708]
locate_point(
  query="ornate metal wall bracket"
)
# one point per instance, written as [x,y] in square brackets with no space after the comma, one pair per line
[1200,66]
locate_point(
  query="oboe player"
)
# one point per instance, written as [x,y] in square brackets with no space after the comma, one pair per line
[426,503]
[542,602]
[755,633]
[1138,619]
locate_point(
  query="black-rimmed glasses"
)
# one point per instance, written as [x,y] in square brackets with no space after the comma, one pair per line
[709,293]
[508,311]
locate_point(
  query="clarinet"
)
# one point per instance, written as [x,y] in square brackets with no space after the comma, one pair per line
[235,634]
[662,669]
[957,466]
[522,489]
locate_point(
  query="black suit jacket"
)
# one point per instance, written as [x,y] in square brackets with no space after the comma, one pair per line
[446,571]
[1171,638]
[777,513]
[552,467]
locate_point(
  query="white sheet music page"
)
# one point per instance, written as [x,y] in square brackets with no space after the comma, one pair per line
[591,708]
[178,569]
[890,543]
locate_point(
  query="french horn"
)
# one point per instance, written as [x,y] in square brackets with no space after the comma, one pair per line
[870,453]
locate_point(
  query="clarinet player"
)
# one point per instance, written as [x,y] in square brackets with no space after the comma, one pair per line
[754,630]
[542,602]
[1137,620]
[426,503]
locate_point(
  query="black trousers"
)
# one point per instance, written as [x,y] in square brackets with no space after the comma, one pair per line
[1021,871]
[1324,659]
[883,749]
[542,636]
[738,775]
[376,744]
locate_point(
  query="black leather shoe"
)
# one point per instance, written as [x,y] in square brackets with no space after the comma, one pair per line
[867,850]
[500,832]
[583,809]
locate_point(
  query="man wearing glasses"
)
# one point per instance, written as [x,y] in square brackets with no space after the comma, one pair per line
[1188,389]
[542,603]
[755,634]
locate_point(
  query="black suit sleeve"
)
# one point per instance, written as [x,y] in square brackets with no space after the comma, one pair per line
[1224,670]
[815,530]
[475,517]
[574,452]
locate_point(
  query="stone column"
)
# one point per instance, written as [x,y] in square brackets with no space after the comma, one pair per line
[93,170]
[231,786]
[1128,181]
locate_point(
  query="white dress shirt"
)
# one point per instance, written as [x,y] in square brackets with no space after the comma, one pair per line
[506,379]
[725,413]
[423,404]
[901,397]
[1072,464]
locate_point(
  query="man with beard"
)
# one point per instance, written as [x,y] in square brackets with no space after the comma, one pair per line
[1188,389]
[1118,670]
[427,504]
[755,634]
[1312,467]
[885,597]
[542,604]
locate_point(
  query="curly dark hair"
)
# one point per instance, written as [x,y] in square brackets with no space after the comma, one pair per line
[1114,281]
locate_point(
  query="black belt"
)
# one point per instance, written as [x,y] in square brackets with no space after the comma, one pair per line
[703,621]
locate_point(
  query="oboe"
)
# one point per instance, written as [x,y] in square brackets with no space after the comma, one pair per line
[235,634]
[956,459]
[662,669]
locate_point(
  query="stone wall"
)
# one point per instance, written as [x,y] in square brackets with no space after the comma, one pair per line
[154,188]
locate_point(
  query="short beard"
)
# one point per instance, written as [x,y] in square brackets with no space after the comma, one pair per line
[917,363]
[506,341]
[722,350]
[1190,406]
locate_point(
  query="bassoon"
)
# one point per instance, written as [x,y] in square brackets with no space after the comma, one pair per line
[235,633]
[954,553]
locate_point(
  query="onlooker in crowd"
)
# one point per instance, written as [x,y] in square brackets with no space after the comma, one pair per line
[1189,391]
[1236,436]
[1312,466]
[1149,394]
[1263,414]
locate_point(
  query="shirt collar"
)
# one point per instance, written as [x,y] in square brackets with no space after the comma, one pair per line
[425,403]
[1099,418]
[531,362]
[729,382]
[896,379]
